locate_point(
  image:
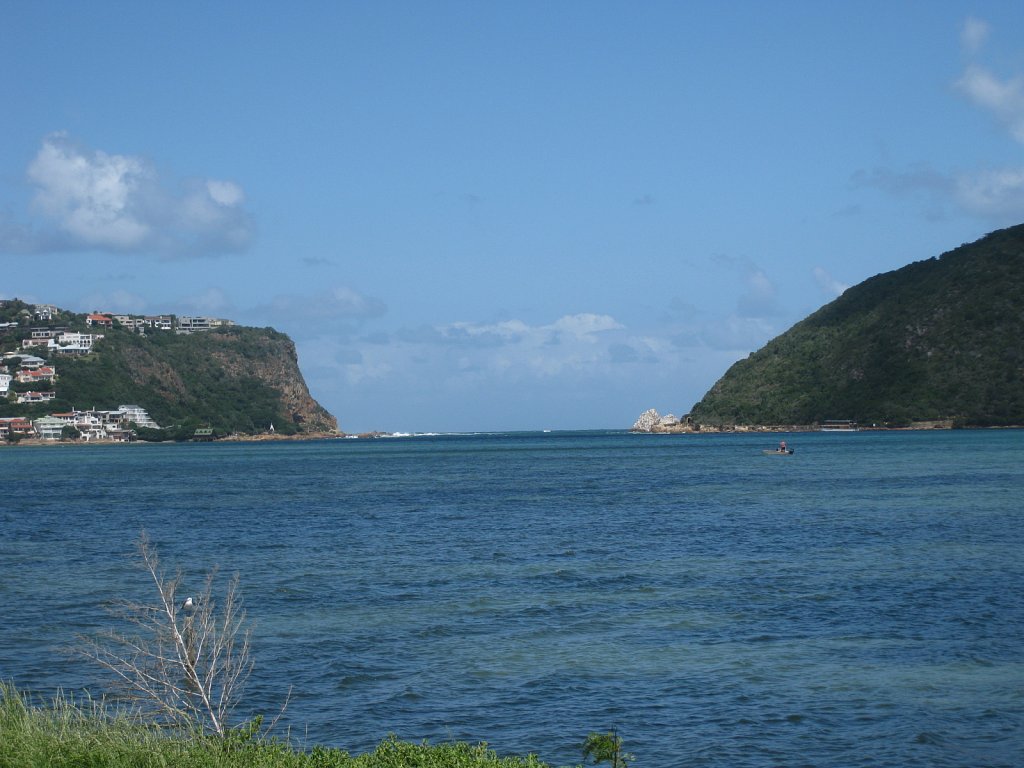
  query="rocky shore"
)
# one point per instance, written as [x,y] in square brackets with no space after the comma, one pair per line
[652,422]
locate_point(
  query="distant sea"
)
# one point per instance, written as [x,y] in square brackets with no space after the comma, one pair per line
[860,603]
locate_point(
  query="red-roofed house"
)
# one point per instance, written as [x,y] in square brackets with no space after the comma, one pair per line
[14,425]
[102,320]
[27,376]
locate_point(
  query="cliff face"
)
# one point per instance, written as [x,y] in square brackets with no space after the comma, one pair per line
[278,368]
[938,340]
[234,379]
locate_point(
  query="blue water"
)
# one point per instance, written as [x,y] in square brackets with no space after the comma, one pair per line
[860,603]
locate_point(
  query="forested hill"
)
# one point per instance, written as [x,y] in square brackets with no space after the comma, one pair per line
[233,379]
[941,339]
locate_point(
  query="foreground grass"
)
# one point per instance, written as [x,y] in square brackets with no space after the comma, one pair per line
[86,735]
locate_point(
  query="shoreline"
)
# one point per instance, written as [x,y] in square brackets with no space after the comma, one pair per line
[303,437]
[917,426]
[925,426]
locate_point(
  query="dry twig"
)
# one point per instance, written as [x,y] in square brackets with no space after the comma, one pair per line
[187,661]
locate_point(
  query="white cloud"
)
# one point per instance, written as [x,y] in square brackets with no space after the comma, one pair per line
[92,197]
[997,193]
[508,350]
[91,200]
[337,308]
[586,325]
[973,34]
[212,302]
[225,192]
[828,284]
[115,301]
[1003,98]
[739,334]
[760,298]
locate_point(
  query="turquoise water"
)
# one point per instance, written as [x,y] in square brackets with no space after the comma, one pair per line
[860,603]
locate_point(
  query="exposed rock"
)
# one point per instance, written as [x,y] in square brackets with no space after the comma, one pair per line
[279,368]
[648,420]
[668,420]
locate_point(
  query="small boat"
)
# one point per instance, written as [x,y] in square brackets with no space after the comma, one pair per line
[777,451]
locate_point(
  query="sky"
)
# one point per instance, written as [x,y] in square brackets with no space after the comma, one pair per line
[502,215]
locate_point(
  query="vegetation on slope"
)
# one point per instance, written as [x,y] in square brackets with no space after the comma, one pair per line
[179,379]
[233,379]
[941,339]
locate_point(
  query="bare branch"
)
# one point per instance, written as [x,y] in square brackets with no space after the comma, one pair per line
[188,662]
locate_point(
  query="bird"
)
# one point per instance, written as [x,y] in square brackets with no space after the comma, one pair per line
[189,604]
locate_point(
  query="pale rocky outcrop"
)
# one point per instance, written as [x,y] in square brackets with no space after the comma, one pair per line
[652,421]
[648,420]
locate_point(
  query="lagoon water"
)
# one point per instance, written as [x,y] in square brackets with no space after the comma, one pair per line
[860,603]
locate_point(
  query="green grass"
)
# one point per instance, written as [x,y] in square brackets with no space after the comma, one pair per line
[86,734]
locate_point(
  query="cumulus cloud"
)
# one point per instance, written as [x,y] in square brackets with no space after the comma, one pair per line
[88,199]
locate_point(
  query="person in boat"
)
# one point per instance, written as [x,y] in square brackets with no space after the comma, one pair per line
[782,446]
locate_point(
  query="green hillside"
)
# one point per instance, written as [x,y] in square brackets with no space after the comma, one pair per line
[941,339]
[233,379]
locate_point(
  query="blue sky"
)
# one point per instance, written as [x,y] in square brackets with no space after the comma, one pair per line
[488,216]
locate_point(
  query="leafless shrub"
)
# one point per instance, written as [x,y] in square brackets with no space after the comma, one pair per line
[186,660]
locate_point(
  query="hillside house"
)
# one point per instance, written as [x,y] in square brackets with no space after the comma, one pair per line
[36,397]
[73,343]
[30,362]
[160,322]
[102,321]
[5,384]
[188,324]
[48,428]
[45,312]
[96,425]
[138,415]
[35,375]
[17,426]
[46,333]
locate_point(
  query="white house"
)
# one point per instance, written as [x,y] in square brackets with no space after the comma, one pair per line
[5,383]
[73,343]
[45,311]
[137,414]
[48,428]
[36,397]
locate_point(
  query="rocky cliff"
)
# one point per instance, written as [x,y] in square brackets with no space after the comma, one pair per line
[234,379]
